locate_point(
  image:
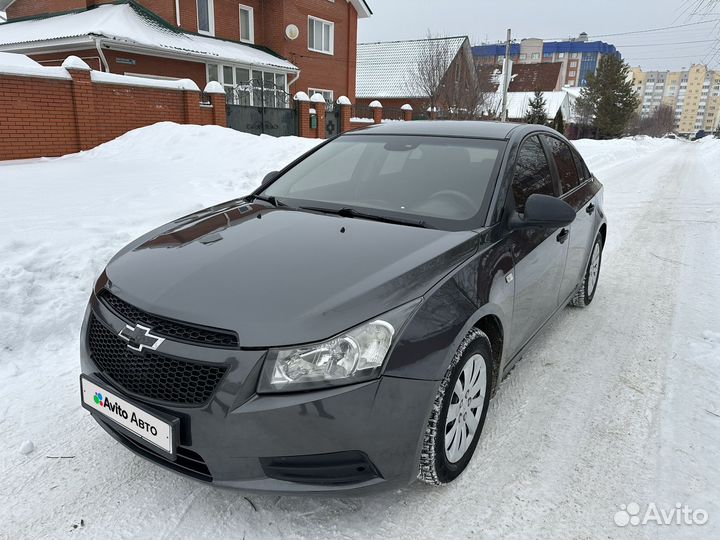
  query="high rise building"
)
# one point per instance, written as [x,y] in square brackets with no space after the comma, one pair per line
[578,56]
[693,94]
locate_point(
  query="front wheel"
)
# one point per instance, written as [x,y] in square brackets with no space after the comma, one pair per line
[458,415]
[586,292]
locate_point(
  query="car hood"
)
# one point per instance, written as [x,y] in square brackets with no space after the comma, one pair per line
[279,276]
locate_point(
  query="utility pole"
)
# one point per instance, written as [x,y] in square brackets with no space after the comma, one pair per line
[506,76]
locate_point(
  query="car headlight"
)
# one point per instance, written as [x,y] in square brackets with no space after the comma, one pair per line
[351,357]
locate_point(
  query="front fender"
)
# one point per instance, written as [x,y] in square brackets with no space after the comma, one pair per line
[477,289]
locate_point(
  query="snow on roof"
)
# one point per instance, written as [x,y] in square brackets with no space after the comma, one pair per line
[126,25]
[362,8]
[23,66]
[385,69]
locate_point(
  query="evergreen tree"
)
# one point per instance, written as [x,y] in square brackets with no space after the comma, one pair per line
[559,123]
[609,99]
[536,110]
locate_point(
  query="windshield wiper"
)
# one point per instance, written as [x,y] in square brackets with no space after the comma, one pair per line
[352,213]
[271,199]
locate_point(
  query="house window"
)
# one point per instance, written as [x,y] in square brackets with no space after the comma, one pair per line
[321,35]
[523,57]
[571,74]
[561,55]
[328,95]
[251,87]
[247,24]
[206,16]
[536,56]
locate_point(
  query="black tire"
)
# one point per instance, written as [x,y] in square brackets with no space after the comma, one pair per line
[584,295]
[435,468]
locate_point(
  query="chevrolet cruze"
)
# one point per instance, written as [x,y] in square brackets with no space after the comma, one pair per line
[343,328]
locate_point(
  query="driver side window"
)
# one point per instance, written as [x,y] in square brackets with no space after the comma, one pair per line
[532,173]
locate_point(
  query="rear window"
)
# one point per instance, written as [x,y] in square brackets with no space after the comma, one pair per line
[565,163]
[444,181]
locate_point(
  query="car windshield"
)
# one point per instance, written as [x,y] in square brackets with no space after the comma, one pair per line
[439,181]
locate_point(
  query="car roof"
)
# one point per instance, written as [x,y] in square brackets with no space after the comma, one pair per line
[446,128]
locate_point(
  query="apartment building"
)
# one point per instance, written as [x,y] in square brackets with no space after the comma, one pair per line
[693,94]
[578,56]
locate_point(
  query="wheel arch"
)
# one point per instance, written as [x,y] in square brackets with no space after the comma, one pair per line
[492,327]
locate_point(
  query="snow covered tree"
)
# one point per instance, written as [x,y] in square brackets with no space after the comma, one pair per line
[609,99]
[536,110]
[558,123]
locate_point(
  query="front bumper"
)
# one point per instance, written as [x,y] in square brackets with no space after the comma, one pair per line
[254,442]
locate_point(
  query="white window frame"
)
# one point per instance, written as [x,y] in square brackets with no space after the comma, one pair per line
[332,35]
[211,17]
[323,91]
[234,82]
[251,16]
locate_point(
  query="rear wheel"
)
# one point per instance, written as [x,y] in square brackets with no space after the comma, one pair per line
[586,292]
[459,412]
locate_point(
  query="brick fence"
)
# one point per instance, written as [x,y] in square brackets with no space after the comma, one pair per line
[312,113]
[51,111]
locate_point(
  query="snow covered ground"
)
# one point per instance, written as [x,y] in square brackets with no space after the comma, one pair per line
[614,404]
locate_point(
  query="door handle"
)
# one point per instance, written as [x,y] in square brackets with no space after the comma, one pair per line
[563,236]
[590,209]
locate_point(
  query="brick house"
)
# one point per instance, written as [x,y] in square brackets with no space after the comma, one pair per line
[387,72]
[285,45]
[524,77]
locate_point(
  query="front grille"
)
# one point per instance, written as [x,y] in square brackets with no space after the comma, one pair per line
[151,375]
[167,328]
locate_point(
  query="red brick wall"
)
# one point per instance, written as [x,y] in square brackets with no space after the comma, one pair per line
[36,118]
[227,19]
[144,65]
[29,8]
[52,117]
[329,72]
[163,8]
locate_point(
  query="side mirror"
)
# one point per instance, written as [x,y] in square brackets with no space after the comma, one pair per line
[543,211]
[269,177]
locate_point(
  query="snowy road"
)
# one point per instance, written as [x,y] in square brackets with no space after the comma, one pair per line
[614,404]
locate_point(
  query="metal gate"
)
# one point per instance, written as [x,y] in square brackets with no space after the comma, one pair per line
[255,108]
[332,121]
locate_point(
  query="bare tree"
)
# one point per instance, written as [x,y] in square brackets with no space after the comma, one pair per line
[427,75]
[661,122]
[447,78]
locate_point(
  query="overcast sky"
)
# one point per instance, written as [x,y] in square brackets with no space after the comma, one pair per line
[484,21]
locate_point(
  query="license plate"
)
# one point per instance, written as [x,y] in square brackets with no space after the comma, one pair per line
[149,427]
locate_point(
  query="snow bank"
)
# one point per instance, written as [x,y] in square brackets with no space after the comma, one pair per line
[600,154]
[62,219]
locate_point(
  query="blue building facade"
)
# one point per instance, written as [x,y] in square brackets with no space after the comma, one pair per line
[580,57]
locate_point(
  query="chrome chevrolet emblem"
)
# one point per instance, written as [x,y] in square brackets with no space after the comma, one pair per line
[139,338]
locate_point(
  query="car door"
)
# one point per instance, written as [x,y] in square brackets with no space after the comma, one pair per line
[539,253]
[577,191]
